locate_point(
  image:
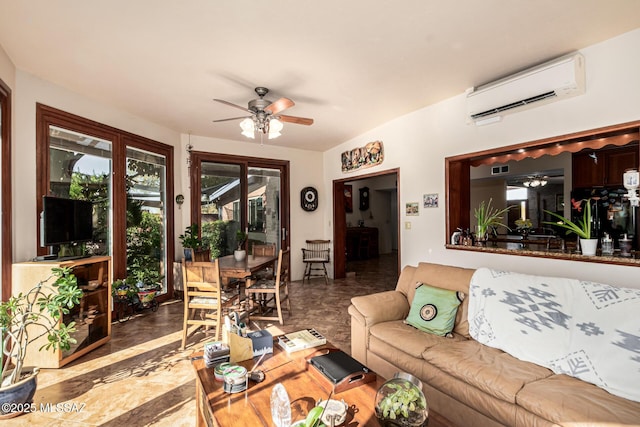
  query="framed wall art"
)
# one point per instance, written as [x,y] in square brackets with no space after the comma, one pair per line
[430,200]
[412,209]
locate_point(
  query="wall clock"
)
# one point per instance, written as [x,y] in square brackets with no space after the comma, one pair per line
[309,199]
[364,198]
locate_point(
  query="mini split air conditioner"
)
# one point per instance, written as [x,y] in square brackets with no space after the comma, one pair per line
[554,80]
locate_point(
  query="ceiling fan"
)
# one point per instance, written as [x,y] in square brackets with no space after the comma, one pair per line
[264,115]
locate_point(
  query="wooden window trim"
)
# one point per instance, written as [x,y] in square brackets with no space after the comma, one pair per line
[457,180]
[47,116]
[7,206]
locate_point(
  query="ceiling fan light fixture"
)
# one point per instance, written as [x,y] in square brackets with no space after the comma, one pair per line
[275,126]
[247,127]
[535,181]
[265,117]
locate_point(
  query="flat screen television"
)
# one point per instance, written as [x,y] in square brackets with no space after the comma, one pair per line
[65,221]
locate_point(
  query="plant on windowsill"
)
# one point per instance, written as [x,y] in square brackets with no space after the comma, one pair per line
[582,228]
[25,318]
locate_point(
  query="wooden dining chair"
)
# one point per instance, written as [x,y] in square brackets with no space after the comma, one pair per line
[316,257]
[203,298]
[263,250]
[268,249]
[271,294]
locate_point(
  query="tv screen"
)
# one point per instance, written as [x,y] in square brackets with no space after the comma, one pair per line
[66,221]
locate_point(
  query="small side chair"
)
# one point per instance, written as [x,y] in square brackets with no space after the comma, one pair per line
[316,257]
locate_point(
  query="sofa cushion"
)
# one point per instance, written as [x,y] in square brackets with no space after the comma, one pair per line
[441,276]
[584,329]
[488,369]
[568,401]
[405,338]
[433,310]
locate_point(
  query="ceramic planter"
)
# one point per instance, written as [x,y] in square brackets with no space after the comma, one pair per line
[589,246]
[18,394]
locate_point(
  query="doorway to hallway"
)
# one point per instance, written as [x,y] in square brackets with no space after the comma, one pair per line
[366,221]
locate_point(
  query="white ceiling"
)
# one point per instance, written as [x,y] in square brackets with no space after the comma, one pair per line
[349,64]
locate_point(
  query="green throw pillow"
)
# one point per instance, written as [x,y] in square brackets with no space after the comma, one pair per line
[434,310]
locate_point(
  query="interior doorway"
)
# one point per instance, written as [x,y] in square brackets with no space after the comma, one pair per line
[366,221]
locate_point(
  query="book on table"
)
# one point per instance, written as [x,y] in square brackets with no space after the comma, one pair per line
[300,340]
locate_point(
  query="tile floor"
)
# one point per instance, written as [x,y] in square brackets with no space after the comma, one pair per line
[141,377]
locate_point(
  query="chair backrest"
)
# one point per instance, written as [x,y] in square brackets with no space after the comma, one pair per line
[282,276]
[317,250]
[201,277]
[264,250]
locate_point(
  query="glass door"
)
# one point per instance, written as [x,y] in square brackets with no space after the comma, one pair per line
[263,206]
[220,208]
[239,193]
[146,218]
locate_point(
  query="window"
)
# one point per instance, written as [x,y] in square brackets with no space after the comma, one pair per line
[240,193]
[125,176]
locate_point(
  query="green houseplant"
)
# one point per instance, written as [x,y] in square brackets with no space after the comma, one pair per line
[582,228]
[26,317]
[239,254]
[401,402]
[192,244]
[488,216]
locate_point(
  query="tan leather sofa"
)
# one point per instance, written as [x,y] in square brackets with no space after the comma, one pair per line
[465,381]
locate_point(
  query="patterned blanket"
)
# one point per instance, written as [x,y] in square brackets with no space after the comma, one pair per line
[583,329]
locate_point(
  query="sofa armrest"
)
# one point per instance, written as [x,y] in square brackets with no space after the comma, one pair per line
[368,310]
[380,307]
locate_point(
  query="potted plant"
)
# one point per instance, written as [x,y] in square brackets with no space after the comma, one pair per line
[239,254]
[582,228]
[401,402]
[488,217]
[192,244]
[23,319]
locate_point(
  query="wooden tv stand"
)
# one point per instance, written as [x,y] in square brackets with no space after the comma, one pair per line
[92,329]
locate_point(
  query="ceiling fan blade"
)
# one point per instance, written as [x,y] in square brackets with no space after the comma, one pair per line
[233,105]
[228,120]
[297,120]
[279,105]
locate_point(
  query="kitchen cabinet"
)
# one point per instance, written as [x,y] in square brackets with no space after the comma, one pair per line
[604,167]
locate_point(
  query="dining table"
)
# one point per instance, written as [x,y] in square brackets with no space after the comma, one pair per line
[244,270]
[232,269]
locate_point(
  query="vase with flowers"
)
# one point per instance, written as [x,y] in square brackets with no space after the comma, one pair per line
[523,226]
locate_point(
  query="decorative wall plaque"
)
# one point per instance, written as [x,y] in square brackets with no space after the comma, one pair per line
[371,154]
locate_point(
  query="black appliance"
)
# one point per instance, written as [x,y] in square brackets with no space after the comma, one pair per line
[611,213]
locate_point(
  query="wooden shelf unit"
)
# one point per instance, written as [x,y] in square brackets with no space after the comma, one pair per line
[92,329]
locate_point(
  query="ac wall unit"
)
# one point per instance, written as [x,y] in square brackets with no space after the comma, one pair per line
[548,82]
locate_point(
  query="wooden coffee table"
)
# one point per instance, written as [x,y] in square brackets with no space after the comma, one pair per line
[252,407]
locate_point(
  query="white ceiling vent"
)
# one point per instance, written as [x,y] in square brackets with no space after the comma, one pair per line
[499,170]
[554,80]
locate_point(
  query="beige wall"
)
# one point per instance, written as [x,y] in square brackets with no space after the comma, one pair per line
[417,143]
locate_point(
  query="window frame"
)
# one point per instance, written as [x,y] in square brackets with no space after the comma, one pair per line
[48,116]
[6,199]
